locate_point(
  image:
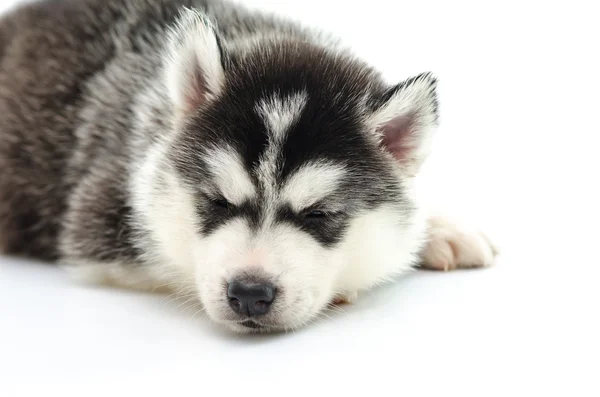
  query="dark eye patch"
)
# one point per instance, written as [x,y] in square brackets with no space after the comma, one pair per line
[215,212]
[327,228]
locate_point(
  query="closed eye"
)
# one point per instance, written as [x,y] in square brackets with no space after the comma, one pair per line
[315,214]
[219,203]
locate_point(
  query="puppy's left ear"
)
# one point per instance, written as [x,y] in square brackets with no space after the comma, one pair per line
[405,120]
[195,61]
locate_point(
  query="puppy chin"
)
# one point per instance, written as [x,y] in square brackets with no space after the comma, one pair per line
[241,328]
[259,326]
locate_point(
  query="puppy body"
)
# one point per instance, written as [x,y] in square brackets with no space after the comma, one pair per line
[198,145]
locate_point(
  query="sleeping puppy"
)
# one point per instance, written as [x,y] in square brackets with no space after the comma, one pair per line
[198,145]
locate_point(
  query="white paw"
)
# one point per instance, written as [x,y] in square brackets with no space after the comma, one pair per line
[454,246]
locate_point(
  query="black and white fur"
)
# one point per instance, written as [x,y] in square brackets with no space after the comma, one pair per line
[189,143]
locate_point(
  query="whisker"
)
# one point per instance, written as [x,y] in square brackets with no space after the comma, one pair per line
[337,309]
[199,311]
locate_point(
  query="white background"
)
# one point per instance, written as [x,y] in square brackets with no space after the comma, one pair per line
[517,152]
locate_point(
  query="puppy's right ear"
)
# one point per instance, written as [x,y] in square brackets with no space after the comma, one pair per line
[194,62]
[406,120]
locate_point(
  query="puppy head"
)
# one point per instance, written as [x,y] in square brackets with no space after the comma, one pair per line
[287,180]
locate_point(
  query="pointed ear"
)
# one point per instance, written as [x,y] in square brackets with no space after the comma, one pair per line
[194,62]
[406,120]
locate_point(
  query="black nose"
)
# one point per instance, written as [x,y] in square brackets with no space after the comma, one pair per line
[250,299]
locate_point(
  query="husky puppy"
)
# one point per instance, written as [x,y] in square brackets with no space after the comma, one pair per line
[197,145]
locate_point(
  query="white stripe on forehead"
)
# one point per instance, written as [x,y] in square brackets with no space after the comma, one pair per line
[229,174]
[278,114]
[311,183]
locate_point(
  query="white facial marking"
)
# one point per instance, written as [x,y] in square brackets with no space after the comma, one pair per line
[312,183]
[230,175]
[279,114]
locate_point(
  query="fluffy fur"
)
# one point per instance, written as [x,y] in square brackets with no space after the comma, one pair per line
[192,143]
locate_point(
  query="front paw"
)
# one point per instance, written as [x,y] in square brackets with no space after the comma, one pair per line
[454,246]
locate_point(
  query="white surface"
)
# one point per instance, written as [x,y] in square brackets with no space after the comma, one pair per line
[517,151]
